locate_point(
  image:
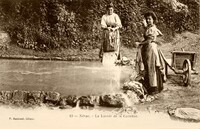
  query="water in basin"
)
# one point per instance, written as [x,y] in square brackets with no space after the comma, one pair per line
[68,78]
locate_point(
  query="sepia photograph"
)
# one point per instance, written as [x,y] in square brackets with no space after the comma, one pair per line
[96,64]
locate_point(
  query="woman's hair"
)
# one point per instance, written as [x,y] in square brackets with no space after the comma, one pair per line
[110,5]
[152,14]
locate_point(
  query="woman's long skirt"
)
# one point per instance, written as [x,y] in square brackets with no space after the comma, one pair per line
[153,79]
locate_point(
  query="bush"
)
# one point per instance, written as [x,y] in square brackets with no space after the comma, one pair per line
[185,19]
[51,24]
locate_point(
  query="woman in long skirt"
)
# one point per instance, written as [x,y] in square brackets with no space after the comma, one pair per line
[151,61]
[110,24]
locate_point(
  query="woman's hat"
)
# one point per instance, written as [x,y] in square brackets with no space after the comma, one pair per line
[110,5]
[151,13]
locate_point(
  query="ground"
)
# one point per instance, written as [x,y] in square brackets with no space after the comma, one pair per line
[174,94]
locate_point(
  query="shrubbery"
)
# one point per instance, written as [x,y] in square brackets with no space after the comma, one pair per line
[51,24]
[178,21]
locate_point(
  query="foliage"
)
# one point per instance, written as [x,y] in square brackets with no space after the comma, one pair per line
[177,21]
[51,24]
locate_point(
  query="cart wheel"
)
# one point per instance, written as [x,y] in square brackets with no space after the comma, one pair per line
[187,72]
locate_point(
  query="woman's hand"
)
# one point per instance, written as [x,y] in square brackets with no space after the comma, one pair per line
[142,73]
[109,28]
[113,29]
[137,44]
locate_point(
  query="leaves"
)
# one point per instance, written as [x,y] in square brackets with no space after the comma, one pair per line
[50,24]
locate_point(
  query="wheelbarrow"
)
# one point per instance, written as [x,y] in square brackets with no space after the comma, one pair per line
[182,62]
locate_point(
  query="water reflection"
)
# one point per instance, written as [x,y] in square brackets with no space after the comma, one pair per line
[79,78]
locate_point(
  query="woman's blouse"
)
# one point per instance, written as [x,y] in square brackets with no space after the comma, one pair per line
[151,33]
[111,21]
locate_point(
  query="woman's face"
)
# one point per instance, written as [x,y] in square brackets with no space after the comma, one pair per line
[110,10]
[149,20]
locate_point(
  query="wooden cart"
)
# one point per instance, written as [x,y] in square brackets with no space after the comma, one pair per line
[182,62]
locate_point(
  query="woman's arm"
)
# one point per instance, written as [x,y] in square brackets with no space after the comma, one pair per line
[103,23]
[117,22]
[148,39]
[151,34]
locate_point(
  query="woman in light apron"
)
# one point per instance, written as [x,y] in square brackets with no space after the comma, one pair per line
[110,23]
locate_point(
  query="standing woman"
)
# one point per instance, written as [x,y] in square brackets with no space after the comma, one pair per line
[110,23]
[150,57]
